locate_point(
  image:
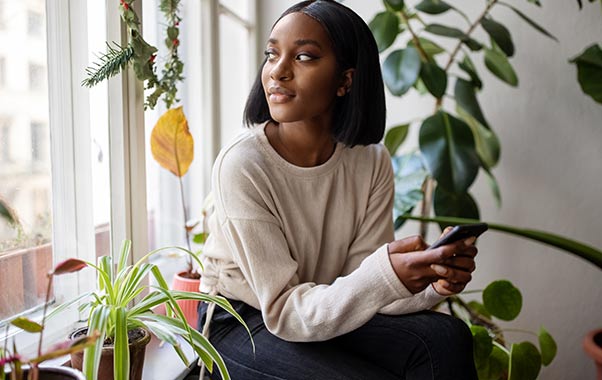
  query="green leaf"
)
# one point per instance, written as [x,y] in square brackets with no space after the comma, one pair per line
[495,366]
[434,78]
[384,27]
[500,34]
[469,68]
[589,71]
[529,21]
[450,204]
[478,307]
[121,353]
[420,87]
[486,141]
[448,147]
[547,345]
[200,238]
[499,65]
[396,5]
[27,324]
[503,300]
[395,136]
[582,250]
[482,343]
[401,69]
[433,7]
[410,173]
[495,188]
[525,361]
[6,211]
[430,48]
[536,2]
[446,31]
[466,98]
[172,32]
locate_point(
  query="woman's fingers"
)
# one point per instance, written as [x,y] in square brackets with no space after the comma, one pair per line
[409,244]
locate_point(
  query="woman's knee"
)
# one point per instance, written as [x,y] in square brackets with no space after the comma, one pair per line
[453,332]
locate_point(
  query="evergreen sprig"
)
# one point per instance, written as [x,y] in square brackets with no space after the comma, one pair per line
[111,63]
[141,55]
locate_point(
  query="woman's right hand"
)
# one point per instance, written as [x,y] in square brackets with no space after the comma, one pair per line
[412,262]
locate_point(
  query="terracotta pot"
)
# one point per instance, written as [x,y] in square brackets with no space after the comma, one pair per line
[592,344]
[189,307]
[105,369]
[55,373]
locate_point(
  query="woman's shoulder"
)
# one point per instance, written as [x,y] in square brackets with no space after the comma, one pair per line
[372,155]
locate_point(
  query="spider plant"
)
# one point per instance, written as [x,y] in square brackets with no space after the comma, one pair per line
[114,309]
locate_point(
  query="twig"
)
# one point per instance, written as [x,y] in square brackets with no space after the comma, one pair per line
[423,54]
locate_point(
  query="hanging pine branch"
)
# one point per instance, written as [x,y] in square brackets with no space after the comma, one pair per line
[141,55]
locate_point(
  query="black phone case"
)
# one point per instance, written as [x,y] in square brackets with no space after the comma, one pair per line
[460,233]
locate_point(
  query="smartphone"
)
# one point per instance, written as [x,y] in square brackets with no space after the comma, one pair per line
[461,232]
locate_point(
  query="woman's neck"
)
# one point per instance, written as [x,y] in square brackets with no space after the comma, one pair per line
[300,143]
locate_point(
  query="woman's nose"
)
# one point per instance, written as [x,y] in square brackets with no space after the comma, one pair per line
[281,70]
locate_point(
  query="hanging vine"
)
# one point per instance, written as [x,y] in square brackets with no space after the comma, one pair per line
[142,56]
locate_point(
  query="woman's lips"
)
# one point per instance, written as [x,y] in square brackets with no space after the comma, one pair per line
[279,94]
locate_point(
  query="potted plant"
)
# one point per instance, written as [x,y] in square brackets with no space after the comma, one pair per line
[21,368]
[121,319]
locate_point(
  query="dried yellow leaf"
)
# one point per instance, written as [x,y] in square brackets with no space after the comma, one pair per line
[172,144]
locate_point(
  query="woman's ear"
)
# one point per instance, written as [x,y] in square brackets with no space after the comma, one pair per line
[346,81]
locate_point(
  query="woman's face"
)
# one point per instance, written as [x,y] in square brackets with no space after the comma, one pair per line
[300,77]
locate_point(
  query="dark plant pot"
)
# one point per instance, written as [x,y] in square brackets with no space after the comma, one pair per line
[55,373]
[105,369]
[592,344]
[189,307]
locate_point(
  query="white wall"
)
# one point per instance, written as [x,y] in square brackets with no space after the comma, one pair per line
[549,174]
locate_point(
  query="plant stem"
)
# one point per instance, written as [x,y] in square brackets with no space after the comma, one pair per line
[478,319]
[50,276]
[501,347]
[468,32]
[185,221]
[423,54]
[427,189]
[521,331]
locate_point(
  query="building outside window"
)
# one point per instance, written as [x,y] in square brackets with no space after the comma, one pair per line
[2,71]
[35,24]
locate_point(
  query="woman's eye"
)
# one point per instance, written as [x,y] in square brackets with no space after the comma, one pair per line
[305,57]
[269,54]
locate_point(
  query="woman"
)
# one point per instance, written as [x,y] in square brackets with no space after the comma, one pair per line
[302,238]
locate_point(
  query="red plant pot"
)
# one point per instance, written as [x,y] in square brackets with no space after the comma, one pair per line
[189,307]
[592,344]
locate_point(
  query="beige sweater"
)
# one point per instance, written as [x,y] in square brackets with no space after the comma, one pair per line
[306,246]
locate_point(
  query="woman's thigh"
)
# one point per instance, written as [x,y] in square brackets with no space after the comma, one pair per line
[425,345]
[275,358]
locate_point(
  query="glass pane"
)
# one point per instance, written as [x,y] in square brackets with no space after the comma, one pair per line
[240,7]
[99,130]
[25,179]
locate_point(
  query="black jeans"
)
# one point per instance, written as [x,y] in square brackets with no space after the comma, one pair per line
[421,346]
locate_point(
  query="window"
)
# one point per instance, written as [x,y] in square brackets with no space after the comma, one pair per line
[5,142]
[37,77]
[2,71]
[39,143]
[35,23]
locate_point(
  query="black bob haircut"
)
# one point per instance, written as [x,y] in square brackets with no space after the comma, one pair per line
[359,116]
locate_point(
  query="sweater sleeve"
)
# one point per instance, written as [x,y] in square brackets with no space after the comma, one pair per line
[377,229]
[291,309]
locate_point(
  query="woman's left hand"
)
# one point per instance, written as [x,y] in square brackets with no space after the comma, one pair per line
[456,272]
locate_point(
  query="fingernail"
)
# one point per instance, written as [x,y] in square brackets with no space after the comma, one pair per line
[470,241]
[441,270]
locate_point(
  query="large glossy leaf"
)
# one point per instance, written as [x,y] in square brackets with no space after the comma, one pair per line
[172,144]
[450,204]
[495,187]
[466,98]
[410,174]
[499,65]
[396,5]
[494,366]
[487,143]
[482,343]
[395,136]
[434,78]
[586,252]
[503,300]
[547,345]
[430,48]
[500,34]
[470,69]
[433,7]
[401,69]
[448,147]
[447,31]
[589,71]
[529,21]
[384,27]
[525,361]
